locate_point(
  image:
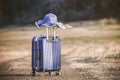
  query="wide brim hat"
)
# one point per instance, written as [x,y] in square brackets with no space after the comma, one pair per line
[50,20]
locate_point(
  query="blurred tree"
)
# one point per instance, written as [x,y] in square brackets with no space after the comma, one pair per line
[27,11]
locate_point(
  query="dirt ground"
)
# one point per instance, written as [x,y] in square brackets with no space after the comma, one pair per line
[88,53]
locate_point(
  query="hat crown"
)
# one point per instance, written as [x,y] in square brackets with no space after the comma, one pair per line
[50,18]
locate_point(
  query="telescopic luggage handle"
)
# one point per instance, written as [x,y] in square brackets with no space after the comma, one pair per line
[50,20]
[54,33]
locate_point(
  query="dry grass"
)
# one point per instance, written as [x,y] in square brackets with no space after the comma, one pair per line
[88,53]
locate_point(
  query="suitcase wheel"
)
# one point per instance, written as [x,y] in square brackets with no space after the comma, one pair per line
[50,73]
[58,72]
[32,73]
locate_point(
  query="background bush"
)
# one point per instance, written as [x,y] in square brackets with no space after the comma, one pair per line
[27,11]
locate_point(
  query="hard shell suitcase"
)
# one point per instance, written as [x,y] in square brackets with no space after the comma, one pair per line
[46,54]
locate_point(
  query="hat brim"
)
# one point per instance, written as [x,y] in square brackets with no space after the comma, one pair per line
[48,24]
[60,25]
[40,23]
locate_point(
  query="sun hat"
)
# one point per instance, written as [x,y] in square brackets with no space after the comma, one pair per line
[50,20]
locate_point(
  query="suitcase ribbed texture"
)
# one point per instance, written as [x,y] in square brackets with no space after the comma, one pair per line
[46,54]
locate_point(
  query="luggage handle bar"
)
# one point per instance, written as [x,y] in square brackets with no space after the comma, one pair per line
[54,33]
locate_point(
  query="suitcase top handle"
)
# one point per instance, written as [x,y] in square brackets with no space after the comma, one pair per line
[50,20]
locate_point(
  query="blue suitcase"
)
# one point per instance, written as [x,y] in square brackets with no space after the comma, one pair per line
[46,54]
